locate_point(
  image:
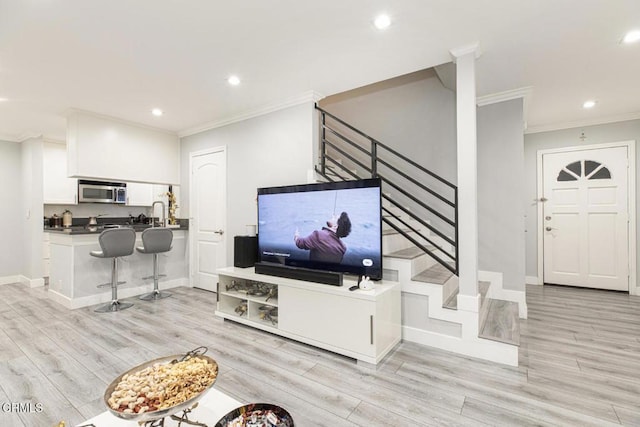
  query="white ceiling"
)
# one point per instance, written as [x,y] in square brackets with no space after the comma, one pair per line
[121,58]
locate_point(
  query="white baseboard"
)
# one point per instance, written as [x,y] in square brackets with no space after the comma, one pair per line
[532,280]
[73,303]
[475,347]
[32,283]
[10,279]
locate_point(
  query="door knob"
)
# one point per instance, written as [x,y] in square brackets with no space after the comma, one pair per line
[220,232]
[549,228]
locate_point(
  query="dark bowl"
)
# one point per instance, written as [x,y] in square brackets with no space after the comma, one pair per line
[284,418]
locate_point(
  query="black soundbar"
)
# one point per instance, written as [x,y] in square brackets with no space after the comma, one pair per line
[299,273]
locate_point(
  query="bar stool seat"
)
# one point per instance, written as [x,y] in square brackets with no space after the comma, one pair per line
[115,243]
[155,241]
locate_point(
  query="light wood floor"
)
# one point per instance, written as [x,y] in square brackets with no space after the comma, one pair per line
[580,364]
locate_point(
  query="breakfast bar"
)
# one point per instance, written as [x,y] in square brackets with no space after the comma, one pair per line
[75,275]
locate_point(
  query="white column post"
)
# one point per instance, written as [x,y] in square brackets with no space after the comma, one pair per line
[465,58]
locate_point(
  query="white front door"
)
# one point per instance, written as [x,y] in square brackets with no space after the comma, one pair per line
[207,220]
[585,218]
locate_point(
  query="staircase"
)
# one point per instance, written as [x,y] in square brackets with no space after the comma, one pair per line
[420,245]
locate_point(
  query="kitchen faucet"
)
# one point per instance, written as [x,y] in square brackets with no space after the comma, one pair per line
[164,213]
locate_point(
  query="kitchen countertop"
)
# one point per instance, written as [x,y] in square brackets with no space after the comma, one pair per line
[81,229]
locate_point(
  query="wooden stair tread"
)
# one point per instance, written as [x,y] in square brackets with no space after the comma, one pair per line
[409,253]
[502,323]
[436,274]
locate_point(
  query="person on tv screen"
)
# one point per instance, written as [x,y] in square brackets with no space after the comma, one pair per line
[326,245]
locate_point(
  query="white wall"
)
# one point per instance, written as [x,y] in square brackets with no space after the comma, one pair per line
[612,132]
[414,114]
[501,228]
[31,208]
[11,212]
[269,150]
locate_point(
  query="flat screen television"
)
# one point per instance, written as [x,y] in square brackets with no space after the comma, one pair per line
[334,226]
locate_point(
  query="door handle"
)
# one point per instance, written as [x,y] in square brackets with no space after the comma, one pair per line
[549,228]
[220,232]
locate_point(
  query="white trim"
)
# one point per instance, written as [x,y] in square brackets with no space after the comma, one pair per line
[532,280]
[631,204]
[10,279]
[32,283]
[524,92]
[9,138]
[469,303]
[192,231]
[494,98]
[309,96]
[457,52]
[73,303]
[493,351]
[582,123]
[71,111]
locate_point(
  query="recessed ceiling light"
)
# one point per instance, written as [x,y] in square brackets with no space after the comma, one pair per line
[589,104]
[157,112]
[631,36]
[382,22]
[234,80]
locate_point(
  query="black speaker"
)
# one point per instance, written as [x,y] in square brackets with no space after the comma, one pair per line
[245,251]
[299,273]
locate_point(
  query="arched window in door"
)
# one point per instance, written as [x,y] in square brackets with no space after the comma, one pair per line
[583,169]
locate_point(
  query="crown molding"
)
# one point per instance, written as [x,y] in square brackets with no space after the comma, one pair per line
[309,96]
[29,135]
[583,123]
[508,95]
[70,111]
[524,92]
[9,138]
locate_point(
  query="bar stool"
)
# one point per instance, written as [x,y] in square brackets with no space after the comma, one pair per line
[115,243]
[155,241]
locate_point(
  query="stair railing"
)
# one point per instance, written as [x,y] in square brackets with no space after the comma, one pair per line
[403,184]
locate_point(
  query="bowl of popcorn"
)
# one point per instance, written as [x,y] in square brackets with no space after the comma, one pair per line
[161,387]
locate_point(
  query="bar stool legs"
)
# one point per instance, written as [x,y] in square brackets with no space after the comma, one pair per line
[156,294]
[155,241]
[114,305]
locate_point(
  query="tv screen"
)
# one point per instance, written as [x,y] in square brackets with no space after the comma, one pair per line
[329,226]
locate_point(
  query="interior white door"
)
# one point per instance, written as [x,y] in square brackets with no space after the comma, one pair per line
[207,219]
[586,238]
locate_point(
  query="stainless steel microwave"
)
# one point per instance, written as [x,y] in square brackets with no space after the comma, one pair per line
[102,192]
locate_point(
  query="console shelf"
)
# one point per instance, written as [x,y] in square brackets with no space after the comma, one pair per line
[364,325]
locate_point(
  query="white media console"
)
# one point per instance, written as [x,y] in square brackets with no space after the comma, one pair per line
[364,325]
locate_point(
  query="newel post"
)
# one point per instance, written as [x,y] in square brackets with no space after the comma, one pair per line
[465,59]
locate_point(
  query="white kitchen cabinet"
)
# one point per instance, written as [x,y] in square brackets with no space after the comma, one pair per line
[139,194]
[57,188]
[364,325]
[104,148]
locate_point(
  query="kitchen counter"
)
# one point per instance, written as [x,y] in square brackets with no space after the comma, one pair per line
[81,229]
[74,274]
